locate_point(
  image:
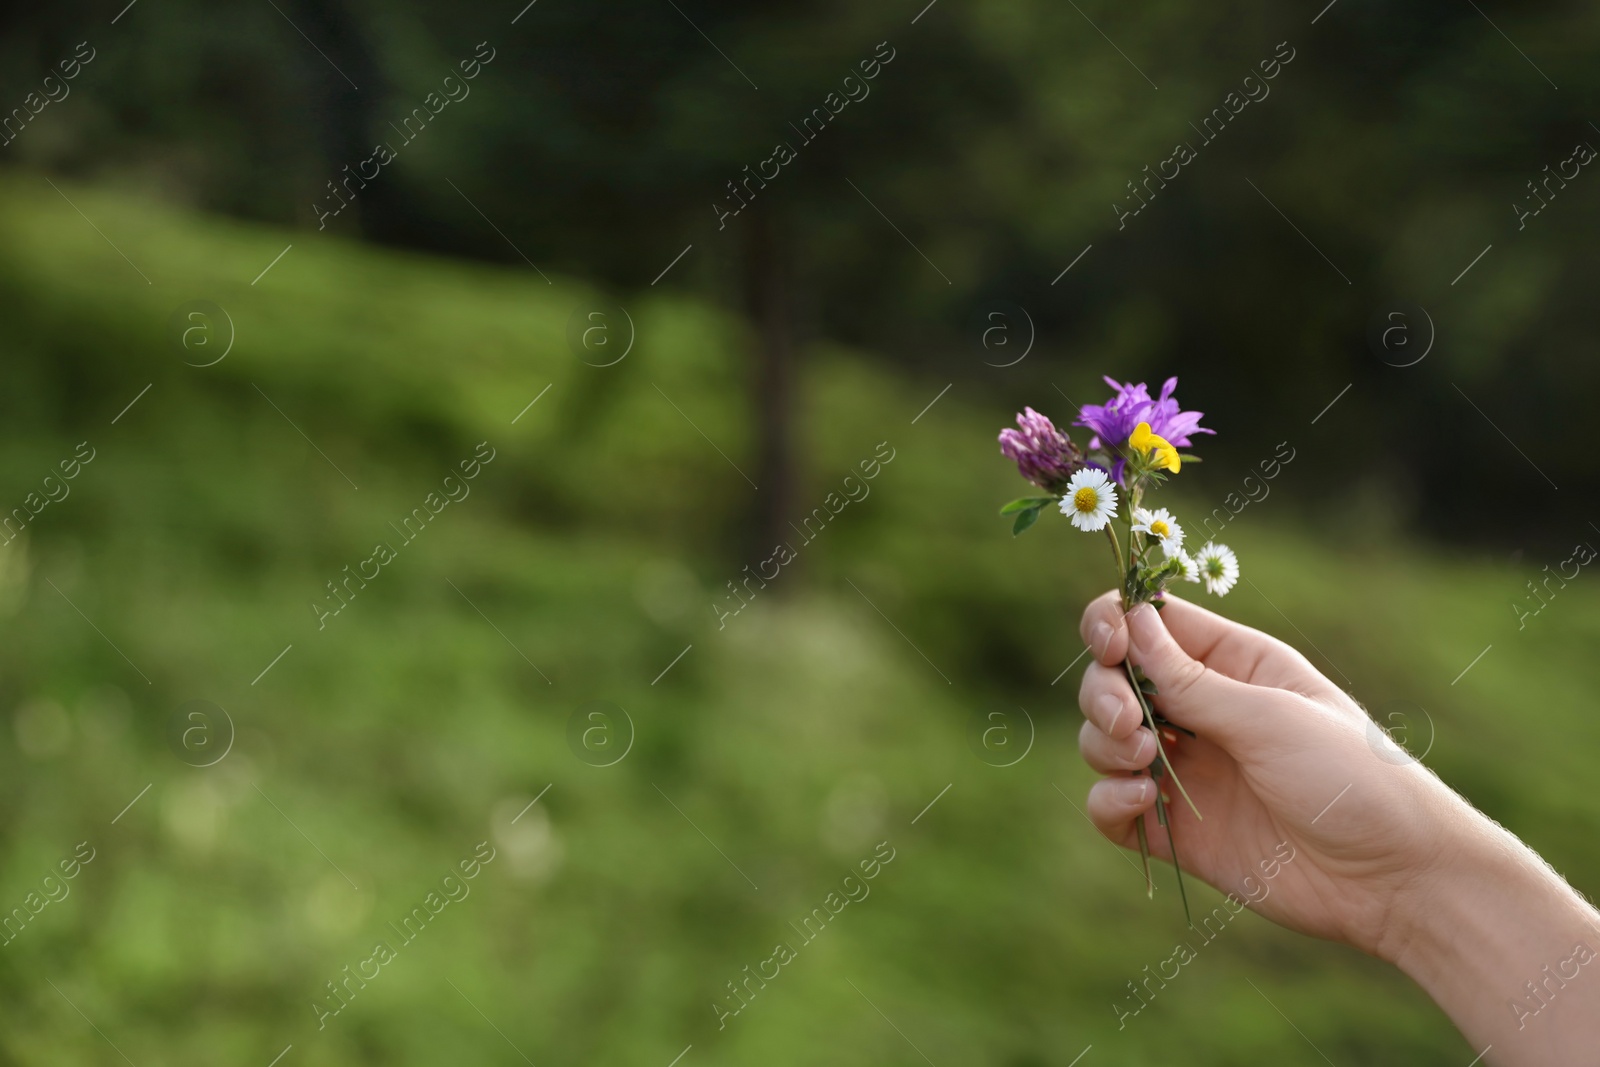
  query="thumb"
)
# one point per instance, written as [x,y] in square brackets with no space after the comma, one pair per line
[1189,693]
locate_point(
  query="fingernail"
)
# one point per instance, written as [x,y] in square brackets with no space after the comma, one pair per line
[1101,637]
[1147,742]
[1134,791]
[1109,706]
[1142,623]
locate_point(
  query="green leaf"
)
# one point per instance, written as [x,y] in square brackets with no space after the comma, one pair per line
[1146,686]
[1025,518]
[1025,502]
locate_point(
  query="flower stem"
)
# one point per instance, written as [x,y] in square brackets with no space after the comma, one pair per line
[1135,493]
[1122,577]
[1138,824]
[1172,843]
[1161,750]
[1144,853]
[1161,763]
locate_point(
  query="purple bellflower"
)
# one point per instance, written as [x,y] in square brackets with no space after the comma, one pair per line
[1114,421]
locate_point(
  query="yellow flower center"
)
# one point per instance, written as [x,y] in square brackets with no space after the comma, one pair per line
[1160,529]
[1085,500]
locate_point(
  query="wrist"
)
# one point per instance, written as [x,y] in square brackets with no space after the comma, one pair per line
[1479,872]
[1441,854]
[1442,887]
[1490,932]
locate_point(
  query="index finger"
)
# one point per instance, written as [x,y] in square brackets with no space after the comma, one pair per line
[1103,629]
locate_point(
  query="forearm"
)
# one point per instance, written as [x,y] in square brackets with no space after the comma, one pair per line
[1507,949]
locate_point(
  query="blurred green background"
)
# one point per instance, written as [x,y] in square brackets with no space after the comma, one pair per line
[846,314]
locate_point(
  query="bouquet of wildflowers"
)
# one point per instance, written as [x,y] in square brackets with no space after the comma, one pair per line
[1133,450]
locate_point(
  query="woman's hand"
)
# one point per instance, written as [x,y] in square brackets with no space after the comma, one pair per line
[1385,856]
[1282,755]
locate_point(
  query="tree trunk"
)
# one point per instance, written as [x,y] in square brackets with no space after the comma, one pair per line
[351,122]
[769,306]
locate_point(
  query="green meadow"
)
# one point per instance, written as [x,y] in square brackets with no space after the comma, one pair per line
[764,755]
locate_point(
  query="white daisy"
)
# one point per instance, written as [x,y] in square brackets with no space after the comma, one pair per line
[1161,525]
[1090,500]
[1191,569]
[1219,568]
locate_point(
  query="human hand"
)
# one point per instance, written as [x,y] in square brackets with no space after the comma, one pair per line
[1385,857]
[1300,816]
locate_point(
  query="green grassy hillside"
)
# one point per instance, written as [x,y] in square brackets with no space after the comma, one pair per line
[767,763]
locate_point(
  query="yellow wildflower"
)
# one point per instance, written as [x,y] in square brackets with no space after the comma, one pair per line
[1166,457]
